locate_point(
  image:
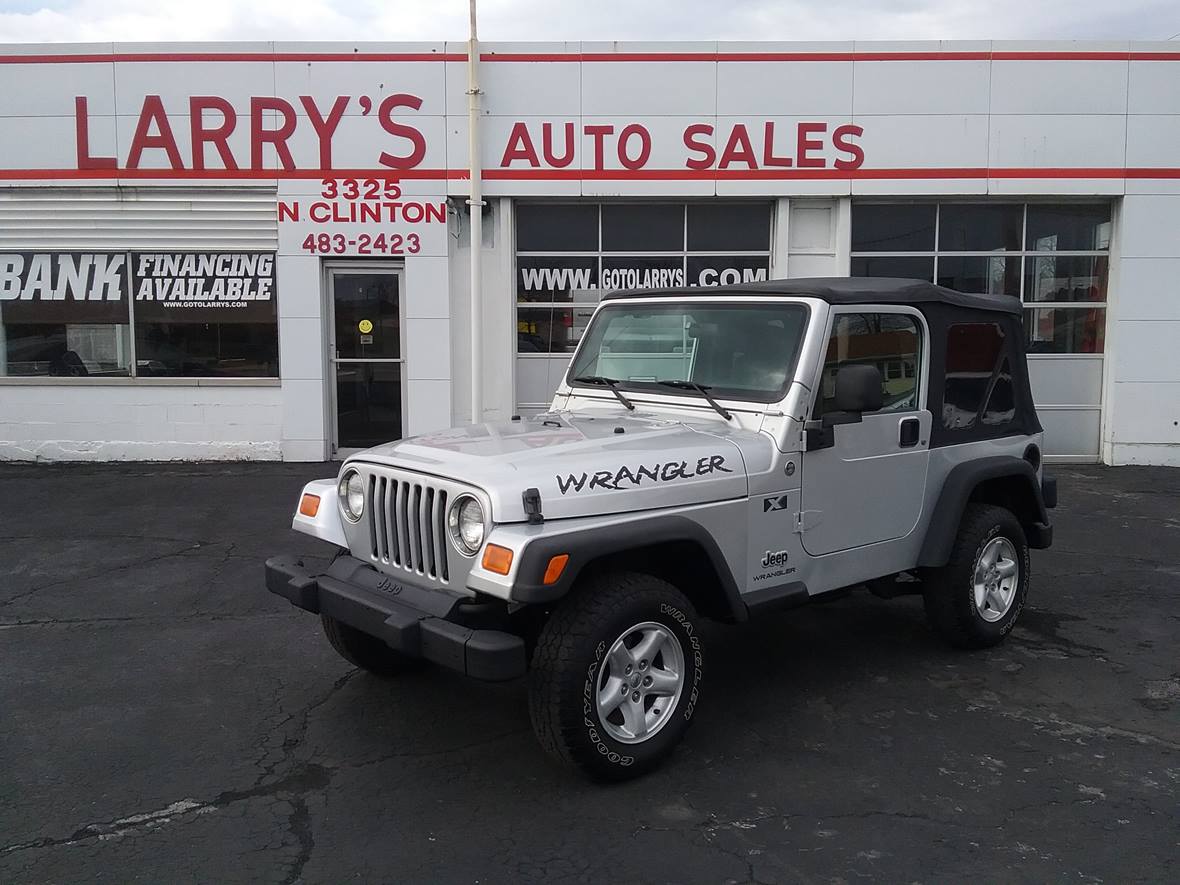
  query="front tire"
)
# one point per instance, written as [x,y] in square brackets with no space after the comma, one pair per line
[616,675]
[365,651]
[974,600]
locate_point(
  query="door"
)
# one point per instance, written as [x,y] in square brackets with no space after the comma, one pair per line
[365,355]
[869,486]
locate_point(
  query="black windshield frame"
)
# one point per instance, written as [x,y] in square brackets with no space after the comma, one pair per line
[739,395]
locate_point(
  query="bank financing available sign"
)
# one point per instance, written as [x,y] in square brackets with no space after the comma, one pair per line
[173,287]
[63,287]
[206,287]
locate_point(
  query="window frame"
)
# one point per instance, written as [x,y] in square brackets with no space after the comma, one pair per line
[599,254]
[1024,254]
[922,370]
[132,325]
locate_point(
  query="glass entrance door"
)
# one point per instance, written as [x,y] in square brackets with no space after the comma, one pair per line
[365,352]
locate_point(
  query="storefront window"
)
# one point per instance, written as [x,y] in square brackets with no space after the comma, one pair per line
[568,254]
[64,314]
[146,314]
[206,350]
[966,227]
[904,266]
[989,274]
[893,227]
[1017,251]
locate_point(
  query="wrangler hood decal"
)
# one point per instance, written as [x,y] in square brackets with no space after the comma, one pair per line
[586,464]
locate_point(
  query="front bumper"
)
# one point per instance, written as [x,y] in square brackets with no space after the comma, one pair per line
[417,621]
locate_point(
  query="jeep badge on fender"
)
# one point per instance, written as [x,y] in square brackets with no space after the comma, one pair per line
[583,547]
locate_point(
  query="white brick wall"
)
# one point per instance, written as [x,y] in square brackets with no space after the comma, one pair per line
[1143,391]
[140,422]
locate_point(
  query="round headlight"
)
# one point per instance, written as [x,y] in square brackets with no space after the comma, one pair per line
[466,523]
[352,495]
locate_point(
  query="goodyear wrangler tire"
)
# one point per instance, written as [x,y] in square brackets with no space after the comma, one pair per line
[974,600]
[616,675]
[365,651]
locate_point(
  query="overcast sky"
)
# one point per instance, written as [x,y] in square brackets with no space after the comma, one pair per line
[148,20]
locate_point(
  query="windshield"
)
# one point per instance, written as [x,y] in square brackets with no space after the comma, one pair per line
[735,351]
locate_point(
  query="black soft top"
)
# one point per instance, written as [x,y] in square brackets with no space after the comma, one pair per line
[844,290]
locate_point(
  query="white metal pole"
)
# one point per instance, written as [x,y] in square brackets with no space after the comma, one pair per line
[475,205]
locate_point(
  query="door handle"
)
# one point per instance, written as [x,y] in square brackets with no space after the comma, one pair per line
[908,431]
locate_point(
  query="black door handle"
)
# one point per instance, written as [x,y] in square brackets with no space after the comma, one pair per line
[908,432]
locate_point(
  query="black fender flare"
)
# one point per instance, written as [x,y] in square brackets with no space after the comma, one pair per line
[956,491]
[586,545]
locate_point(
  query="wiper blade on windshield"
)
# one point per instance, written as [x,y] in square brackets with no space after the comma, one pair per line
[610,384]
[703,390]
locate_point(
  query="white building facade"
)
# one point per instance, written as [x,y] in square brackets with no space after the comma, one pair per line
[226,251]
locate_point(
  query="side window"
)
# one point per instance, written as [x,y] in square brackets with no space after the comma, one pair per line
[890,341]
[978,377]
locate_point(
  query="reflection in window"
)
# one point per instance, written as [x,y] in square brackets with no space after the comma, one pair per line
[738,351]
[891,342]
[1065,278]
[1001,403]
[72,350]
[1065,329]
[975,360]
[551,328]
[207,350]
[1066,227]
[1075,286]
[556,293]
[985,274]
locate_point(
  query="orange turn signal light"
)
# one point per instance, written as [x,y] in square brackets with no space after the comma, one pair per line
[555,568]
[497,559]
[309,505]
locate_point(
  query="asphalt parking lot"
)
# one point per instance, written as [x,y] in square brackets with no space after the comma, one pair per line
[165,719]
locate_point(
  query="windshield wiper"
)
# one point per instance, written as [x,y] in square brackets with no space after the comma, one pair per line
[610,384]
[703,390]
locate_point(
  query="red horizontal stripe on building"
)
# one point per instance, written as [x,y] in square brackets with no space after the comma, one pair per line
[587,57]
[594,174]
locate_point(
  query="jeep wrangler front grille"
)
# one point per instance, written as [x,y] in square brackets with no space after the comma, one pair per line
[408,525]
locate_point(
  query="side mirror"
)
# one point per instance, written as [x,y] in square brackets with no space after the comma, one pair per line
[858,390]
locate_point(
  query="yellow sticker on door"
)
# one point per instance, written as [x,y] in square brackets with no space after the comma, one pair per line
[366,326]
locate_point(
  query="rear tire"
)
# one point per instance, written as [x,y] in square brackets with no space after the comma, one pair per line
[616,675]
[365,651]
[974,600]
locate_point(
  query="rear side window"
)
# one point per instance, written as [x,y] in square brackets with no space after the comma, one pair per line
[979,388]
[890,341]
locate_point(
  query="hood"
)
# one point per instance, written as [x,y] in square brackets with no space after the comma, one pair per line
[586,463]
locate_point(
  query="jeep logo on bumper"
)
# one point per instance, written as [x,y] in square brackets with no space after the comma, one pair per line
[386,585]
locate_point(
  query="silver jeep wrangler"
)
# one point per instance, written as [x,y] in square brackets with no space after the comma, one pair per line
[712,452]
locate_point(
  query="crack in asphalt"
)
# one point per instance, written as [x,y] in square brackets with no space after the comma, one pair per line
[83,536]
[195,548]
[299,824]
[1059,727]
[73,579]
[306,778]
[303,778]
[126,619]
